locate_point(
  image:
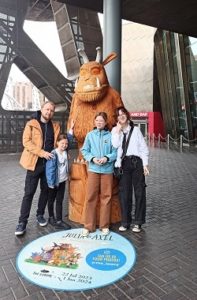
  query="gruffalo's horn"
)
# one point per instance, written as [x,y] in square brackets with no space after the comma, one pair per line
[83,55]
[98,55]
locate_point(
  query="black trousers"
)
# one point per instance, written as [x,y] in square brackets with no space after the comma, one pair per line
[132,178]
[31,184]
[56,194]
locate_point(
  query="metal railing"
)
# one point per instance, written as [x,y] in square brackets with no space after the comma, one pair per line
[179,142]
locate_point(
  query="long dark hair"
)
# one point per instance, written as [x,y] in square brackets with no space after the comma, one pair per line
[126,112]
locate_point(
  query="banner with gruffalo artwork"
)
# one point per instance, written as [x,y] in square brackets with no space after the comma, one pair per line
[65,260]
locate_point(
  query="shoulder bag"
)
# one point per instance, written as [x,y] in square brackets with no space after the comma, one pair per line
[118,171]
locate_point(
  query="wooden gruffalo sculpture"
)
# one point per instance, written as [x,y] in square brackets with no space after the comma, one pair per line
[92,95]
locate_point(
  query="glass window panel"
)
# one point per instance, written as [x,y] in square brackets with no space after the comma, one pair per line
[2,57]
[3,48]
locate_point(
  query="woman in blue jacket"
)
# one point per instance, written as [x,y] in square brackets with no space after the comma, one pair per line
[100,155]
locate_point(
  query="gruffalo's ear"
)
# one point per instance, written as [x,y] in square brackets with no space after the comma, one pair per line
[109,58]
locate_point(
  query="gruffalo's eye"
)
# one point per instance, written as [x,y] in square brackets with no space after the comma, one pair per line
[83,72]
[95,71]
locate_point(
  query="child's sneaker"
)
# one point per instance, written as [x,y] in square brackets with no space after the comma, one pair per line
[52,221]
[62,225]
[105,231]
[85,232]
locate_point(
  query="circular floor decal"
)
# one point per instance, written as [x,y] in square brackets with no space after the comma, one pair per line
[65,260]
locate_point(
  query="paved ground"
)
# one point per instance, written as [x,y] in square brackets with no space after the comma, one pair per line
[166,266]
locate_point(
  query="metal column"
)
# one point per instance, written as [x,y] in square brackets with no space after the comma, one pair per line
[112,40]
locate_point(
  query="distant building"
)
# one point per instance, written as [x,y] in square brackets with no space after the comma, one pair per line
[22,93]
[26,96]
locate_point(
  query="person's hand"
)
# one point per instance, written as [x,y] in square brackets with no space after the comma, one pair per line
[96,161]
[72,124]
[47,155]
[146,171]
[118,127]
[102,160]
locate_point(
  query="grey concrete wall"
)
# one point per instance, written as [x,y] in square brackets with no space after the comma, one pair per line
[137,67]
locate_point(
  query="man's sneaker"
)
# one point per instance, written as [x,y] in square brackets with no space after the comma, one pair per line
[62,225]
[136,228]
[20,229]
[52,221]
[122,228]
[41,221]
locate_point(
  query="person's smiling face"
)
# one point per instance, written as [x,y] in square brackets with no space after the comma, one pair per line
[47,111]
[62,145]
[100,122]
[122,118]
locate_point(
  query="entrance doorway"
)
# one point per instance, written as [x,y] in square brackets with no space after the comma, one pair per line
[143,125]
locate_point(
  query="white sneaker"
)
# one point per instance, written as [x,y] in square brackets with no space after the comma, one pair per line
[85,232]
[105,231]
[122,228]
[136,228]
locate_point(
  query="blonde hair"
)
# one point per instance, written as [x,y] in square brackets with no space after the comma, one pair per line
[48,102]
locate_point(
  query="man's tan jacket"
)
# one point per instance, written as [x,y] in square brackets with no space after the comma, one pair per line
[33,142]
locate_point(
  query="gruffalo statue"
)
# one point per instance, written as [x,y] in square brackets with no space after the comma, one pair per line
[93,94]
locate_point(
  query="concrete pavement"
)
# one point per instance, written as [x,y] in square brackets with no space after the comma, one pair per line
[166,267]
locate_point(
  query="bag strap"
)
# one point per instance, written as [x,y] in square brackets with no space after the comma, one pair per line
[127,144]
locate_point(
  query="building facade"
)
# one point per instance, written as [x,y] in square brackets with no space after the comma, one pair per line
[177,77]
[159,80]
[138,78]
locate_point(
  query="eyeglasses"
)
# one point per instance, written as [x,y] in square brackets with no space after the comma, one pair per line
[122,115]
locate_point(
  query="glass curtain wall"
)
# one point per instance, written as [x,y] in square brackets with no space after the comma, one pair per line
[190,47]
[176,58]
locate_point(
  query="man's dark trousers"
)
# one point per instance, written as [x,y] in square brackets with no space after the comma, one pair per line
[31,184]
